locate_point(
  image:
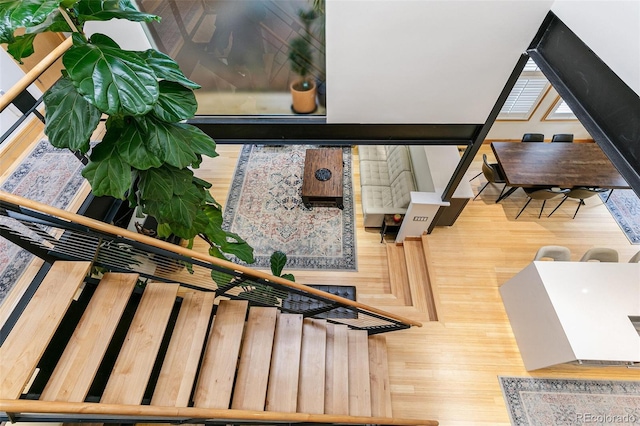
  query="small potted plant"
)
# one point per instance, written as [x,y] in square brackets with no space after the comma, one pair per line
[303,89]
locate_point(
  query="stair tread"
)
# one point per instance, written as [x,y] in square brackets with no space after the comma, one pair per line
[336,398]
[282,391]
[398,276]
[215,383]
[419,278]
[33,331]
[359,382]
[312,366]
[379,372]
[77,367]
[131,372]
[182,359]
[250,391]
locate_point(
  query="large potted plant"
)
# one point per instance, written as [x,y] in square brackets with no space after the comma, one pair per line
[303,89]
[148,152]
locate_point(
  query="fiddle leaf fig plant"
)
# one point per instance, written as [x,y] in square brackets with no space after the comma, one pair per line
[148,152]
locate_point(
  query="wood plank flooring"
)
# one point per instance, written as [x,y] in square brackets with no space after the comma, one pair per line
[448,370]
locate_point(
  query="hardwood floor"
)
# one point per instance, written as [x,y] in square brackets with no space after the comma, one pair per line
[448,370]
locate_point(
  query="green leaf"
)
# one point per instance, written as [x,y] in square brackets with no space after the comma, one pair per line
[155,185]
[162,183]
[175,102]
[21,46]
[180,209]
[133,149]
[114,80]
[70,119]
[227,242]
[201,142]
[106,172]
[278,260]
[166,68]
[289,277]
[16,14]
[164,230]
[55,22]
[177,144]
[202,183]
[104,10]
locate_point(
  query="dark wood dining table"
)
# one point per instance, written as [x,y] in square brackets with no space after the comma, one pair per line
[563,165]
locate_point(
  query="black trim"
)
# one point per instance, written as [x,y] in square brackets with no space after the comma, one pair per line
[604,104]
[290,130]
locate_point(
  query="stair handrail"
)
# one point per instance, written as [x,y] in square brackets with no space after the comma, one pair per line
[183,251]
[34,73]
[139,413]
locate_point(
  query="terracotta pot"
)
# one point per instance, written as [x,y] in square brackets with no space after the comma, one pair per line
[304,101]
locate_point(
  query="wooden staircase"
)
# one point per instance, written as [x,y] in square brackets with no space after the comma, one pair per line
[181,349]
[409,275]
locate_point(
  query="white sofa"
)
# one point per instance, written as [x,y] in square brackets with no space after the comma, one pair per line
[387,178]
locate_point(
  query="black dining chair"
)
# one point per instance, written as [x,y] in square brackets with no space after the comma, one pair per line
[562,137]
[533,137]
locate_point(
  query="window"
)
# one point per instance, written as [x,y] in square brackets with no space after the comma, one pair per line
[238,50]
[526,94]
[560,111]
[524,97]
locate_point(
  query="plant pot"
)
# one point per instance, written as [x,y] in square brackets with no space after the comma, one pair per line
[304,101]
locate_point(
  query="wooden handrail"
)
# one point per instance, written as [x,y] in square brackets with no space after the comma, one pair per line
[114,230]
[34,73]
[176,413]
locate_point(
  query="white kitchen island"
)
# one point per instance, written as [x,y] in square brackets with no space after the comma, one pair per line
[575,311]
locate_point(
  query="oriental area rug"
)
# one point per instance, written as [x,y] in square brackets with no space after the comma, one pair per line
[48,175]
[265,208]
[624,206]
[544,402]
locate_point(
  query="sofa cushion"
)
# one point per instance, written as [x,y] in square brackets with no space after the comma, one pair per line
[374,173]
[376,196]
[372,152]
[401,189]
[398,161]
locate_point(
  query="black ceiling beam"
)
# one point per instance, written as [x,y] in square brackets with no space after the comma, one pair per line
[315,130]
[607,108]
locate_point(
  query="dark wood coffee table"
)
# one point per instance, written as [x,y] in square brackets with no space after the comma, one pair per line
[322,179]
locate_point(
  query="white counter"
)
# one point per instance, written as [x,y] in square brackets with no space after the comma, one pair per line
[574,311]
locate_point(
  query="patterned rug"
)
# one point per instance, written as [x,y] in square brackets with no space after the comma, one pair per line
[624,206]
[49,175]
[265,208]
[546,402]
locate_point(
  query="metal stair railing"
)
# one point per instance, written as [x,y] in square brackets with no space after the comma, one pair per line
[23,410]
[55,234]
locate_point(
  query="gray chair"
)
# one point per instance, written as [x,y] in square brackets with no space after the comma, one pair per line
[557,253]
[541,193]
[533,137]
[562,137]
[635,258]
[581,193]
[600,254]
[493,175]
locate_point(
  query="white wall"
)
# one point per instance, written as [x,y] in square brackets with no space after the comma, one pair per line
[398,61]
[129,35]
[611,28]
[10,74]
